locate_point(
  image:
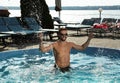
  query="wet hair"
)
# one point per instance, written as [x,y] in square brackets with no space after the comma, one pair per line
[62,29]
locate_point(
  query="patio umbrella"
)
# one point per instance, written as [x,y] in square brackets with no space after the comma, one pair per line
[58,6]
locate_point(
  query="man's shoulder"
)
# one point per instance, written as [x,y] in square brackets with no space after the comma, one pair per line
[70,43]
[54,43]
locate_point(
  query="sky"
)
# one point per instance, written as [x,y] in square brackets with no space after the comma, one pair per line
[85,2]
[67,2]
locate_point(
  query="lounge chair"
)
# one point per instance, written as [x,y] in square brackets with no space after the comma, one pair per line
[117,29]
[109,20]
[3,37]
[110,23]
[96,20]
[3,28]
[87,22]
[85,25]
[14,25]
[105,27]
[34,25]
[58,23]
[58,20]
[18,31]
[118,20]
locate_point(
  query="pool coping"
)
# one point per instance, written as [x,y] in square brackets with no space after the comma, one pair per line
[38,49]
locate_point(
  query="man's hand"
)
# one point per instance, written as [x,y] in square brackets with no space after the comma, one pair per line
[40,35]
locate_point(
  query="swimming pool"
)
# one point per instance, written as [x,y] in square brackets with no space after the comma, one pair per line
[94,65]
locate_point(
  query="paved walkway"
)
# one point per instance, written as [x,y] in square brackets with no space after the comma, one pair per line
[95,42]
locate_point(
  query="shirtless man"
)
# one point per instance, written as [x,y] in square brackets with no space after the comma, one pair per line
[62,49]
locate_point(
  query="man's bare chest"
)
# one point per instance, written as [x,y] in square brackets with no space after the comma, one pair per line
[62,48]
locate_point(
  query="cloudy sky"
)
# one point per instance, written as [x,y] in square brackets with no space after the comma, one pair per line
[67,2]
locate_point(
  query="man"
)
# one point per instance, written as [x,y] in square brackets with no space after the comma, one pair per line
[62,49]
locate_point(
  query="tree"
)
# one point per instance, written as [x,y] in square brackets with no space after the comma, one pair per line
[37,9]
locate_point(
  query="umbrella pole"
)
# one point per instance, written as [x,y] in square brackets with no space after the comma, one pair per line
[59,14]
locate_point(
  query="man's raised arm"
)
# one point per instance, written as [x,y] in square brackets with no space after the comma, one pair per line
[85,45]
[41,44]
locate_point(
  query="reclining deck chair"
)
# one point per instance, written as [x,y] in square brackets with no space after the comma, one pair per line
[96,20]
[14,25]
[88,22]
[34,25]
[117,28]
[58,22]
[109,20]
[84,25]
[105,26]
[18,31]
[3,28]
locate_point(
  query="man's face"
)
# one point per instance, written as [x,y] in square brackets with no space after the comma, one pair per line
[63,35]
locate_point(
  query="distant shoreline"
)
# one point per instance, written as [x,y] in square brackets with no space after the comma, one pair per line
[116,7]
[88,7]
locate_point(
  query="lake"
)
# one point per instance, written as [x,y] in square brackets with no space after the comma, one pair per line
[76,15]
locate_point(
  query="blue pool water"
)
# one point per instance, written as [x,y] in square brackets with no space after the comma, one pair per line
[94,65]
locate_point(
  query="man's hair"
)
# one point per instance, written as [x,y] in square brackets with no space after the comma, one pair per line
[62,29]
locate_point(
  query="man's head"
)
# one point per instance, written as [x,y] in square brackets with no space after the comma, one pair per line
[62,34]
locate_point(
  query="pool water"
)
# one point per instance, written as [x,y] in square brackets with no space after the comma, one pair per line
[94,65]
